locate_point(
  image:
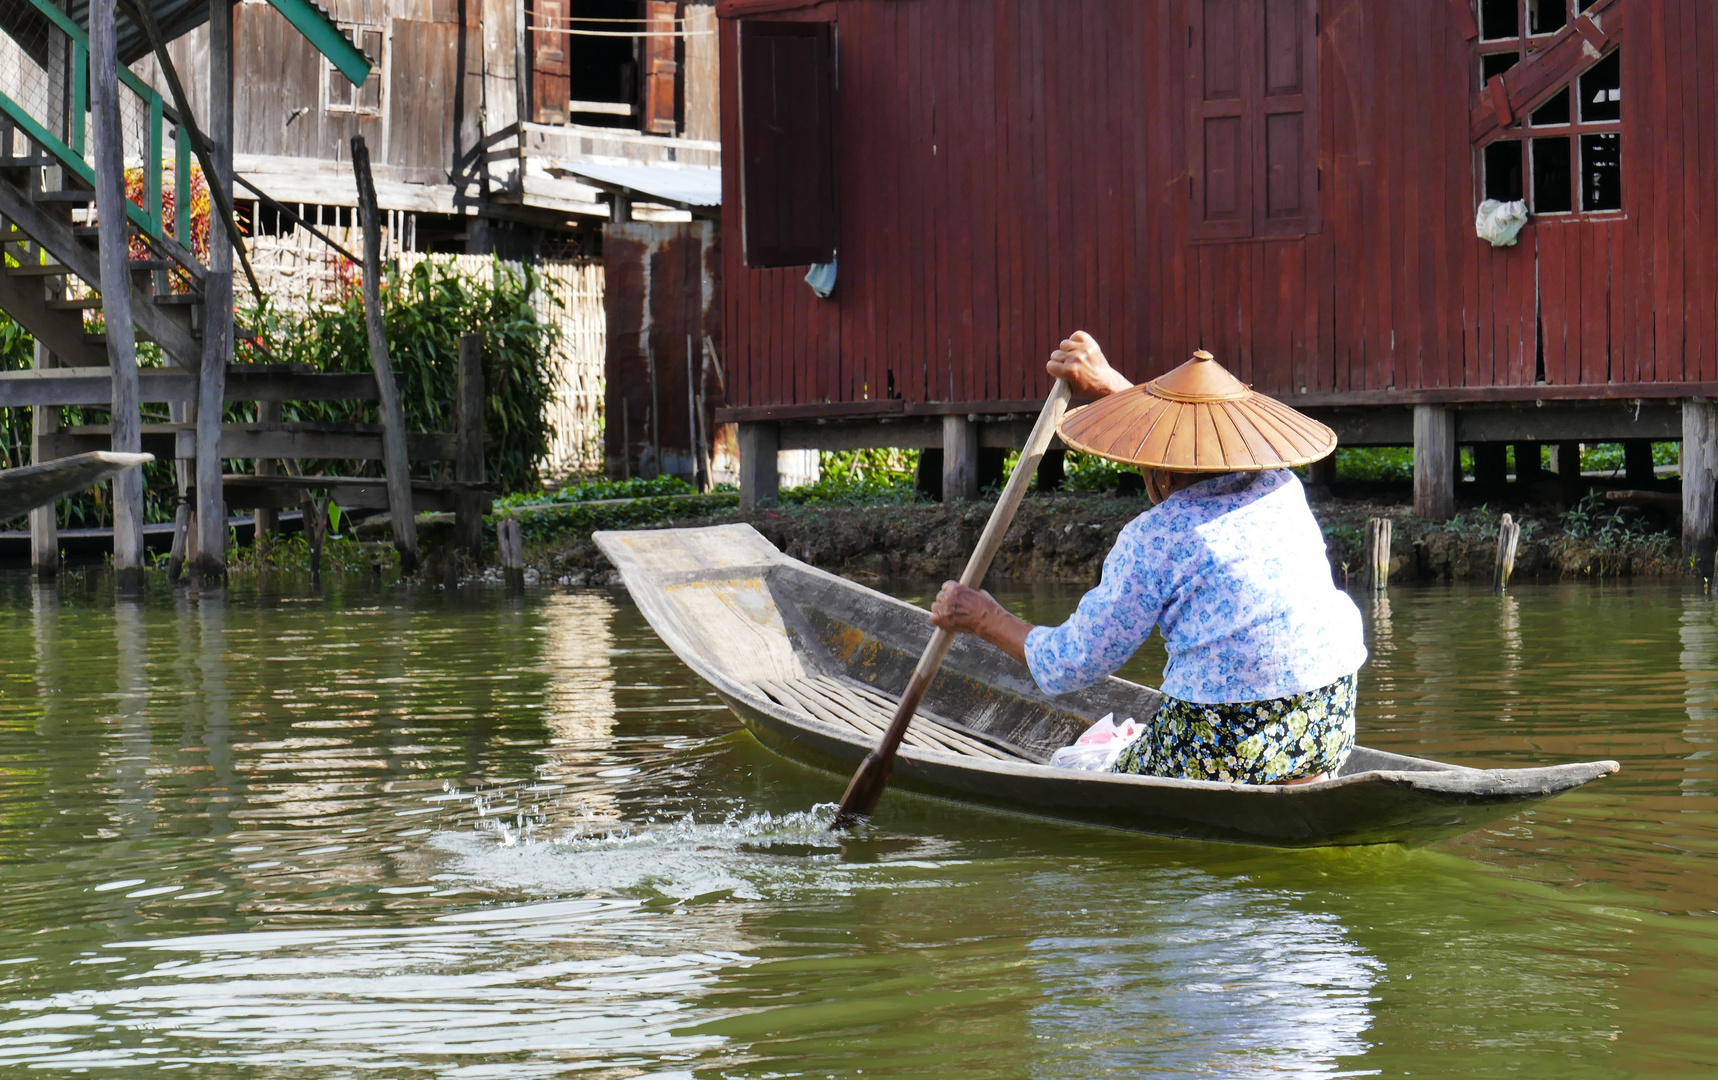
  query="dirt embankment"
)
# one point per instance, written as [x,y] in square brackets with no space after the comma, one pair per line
[1065,538]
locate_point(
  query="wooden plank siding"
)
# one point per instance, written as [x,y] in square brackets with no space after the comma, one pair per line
[1011,170]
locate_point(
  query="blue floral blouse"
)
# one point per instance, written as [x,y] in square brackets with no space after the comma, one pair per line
[1234,571]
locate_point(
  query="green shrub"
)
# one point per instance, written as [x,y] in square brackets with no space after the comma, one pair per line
[424,312]
[598,490]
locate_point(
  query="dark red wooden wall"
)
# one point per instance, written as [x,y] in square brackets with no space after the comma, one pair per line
[1010,170]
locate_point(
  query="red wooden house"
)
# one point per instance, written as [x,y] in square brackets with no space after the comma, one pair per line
[1291,184]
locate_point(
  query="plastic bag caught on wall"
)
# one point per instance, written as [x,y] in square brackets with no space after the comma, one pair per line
[1099,747]
[1499,222]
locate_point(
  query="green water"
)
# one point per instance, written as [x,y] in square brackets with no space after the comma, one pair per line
[392,834]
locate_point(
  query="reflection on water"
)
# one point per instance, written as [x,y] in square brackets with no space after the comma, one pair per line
[454,834]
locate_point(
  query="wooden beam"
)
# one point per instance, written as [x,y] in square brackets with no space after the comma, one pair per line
[92,386]
[108,162]
[393,413]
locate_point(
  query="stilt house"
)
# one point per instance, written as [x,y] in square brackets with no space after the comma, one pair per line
[521,128]
[1291,184]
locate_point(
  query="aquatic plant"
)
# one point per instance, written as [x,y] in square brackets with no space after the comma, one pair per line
[341,554]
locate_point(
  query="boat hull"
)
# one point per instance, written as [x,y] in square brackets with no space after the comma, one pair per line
[811,664]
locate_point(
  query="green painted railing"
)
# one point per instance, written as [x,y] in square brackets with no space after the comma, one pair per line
[150,216]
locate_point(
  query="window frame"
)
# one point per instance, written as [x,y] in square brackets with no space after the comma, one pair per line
[379,72]
[1523,130]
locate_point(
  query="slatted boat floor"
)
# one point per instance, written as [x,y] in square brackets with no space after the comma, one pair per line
[868,712]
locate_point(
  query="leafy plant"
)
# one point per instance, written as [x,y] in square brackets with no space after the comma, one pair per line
[599,490]
[424,312]
[1088,472]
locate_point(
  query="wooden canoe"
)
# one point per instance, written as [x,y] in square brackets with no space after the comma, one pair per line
[812,664]
[29,486]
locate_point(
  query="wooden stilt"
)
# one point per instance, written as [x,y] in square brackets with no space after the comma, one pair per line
[44,521]
[1638,469]
[625,439]
[760,480]
[109,165]
[512,544]
[1434,462]
[395,461]
[692,441]
[654,422]
[1699,482]
[960,458]
[266,522]
[211,511]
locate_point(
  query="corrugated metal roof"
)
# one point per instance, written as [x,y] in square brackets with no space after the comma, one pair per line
[685,186]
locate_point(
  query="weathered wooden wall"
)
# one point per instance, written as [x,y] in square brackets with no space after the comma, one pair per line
[1011,170]
[660,290]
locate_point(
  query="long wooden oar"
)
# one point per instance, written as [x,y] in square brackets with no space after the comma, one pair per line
[866,787]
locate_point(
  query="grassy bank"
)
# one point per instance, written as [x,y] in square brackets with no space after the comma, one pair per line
[881,530]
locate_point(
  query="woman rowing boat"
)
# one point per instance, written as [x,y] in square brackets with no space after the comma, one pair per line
[1229,563]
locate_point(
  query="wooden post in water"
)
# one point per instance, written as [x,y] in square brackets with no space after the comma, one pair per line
[266,521]
[44,522]
[1378,536]
[394,458]
[115,260]
[468,466]
[1508,536]
[512,544]
[217,305]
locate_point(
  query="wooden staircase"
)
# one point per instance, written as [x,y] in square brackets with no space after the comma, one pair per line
[44,216]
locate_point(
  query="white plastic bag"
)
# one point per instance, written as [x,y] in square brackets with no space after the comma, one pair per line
[1098,748]
[1499,222]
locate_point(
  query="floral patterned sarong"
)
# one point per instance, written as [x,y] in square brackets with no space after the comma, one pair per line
[1247,742]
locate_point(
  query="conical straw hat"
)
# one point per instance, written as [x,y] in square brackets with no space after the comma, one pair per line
[1196,419]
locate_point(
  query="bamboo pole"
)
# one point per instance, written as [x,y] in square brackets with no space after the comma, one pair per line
[109,166]
[395,461]
[1378,538]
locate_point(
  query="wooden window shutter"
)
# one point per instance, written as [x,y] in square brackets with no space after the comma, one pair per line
[1286,180]
[550,77]
[787,142]
[661,73]
[1223,36]
[1253,133]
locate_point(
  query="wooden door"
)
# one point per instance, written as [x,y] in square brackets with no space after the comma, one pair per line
[661,72]
[550,82]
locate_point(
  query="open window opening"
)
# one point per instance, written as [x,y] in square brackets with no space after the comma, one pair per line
[1564,156]
[607,63]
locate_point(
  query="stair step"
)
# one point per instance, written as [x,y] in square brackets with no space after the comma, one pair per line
[38,270]
[71,195]
[88,303]
[140,265]
[178,299]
